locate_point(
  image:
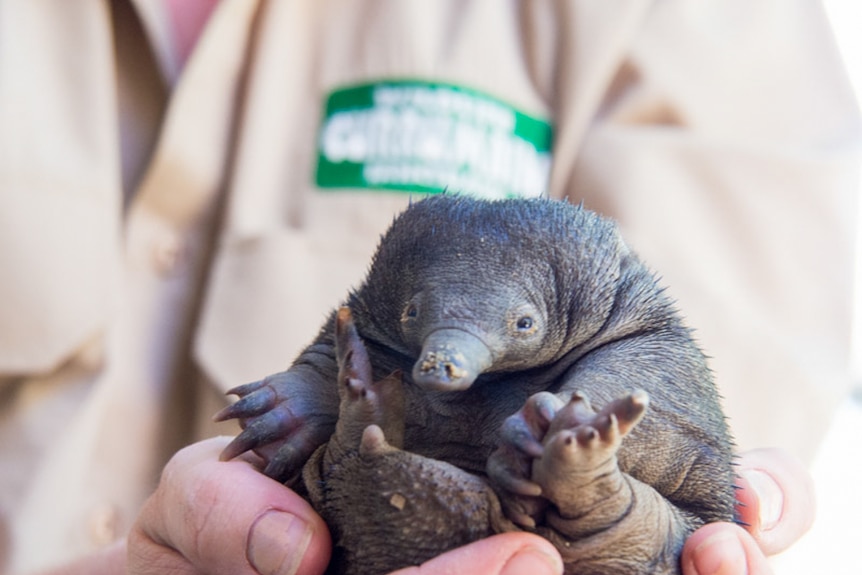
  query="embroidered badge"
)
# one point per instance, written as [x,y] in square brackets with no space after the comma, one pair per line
[428,137]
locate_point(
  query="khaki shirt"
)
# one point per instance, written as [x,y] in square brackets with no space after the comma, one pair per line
[164,234]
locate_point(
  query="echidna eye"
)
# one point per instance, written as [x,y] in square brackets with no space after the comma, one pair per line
[525,323]
[411,311]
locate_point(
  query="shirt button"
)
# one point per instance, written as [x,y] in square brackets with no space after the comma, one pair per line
[91,356]
[105,524]
[168,254]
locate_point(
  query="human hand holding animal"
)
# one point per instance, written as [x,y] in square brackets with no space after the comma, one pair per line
[208,516]
[221,500]
[580,318]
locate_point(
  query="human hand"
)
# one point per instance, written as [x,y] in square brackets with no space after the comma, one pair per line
[777,504]
[208,516]
[204,519]
[506,554]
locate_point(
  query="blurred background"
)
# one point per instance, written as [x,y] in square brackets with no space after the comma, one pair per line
[833,545]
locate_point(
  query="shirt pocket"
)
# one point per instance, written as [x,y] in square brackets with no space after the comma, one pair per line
[268,297]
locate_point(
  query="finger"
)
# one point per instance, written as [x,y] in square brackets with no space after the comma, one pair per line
[723,549]
[506,554]
[146,557]
[211,516]
[777,498]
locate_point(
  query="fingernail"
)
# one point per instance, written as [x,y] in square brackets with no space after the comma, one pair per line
[277,543]
[770,498]
[720,554]
[533,561]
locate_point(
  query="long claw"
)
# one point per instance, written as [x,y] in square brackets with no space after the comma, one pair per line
[628,410]
[525,429]
[271,426]
[545,406]
[245,389]
[520,486]
[291,456]
[352,357]
[255,404]
[522,519]
[285,460]
[574,413]
[240,444]
[519,434]
[586,436]
[504,470]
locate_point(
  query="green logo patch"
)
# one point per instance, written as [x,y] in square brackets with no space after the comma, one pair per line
[428,137]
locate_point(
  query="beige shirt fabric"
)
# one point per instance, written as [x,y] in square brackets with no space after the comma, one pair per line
[162,238]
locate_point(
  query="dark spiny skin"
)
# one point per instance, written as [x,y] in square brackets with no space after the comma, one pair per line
[505,320]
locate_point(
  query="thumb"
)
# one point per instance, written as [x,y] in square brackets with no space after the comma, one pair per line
[506,554]
[211,516]
[776,498]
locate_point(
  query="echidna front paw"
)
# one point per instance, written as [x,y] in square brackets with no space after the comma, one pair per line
[560,457]
[578,471]
[280,423]
[510,466]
